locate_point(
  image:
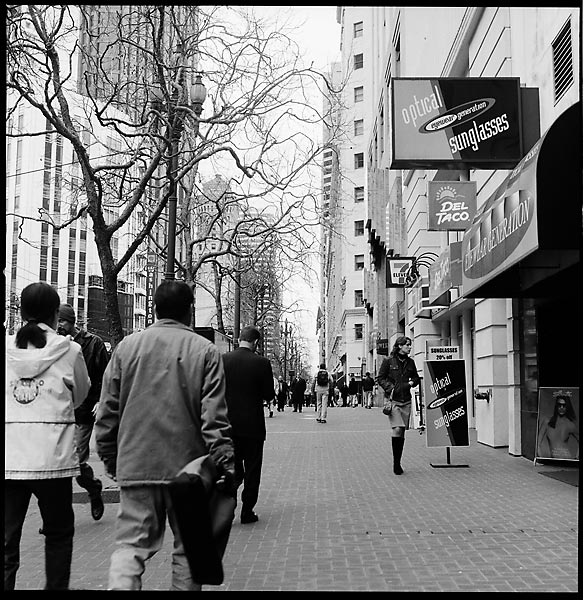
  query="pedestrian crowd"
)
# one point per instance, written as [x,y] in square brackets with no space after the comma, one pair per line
[164,406]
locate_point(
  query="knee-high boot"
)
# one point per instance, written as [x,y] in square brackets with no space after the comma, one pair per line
[397,446]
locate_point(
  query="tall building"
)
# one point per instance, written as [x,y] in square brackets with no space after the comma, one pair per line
[495,289]
[344,243]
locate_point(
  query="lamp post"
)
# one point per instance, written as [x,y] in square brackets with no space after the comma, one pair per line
[176,115]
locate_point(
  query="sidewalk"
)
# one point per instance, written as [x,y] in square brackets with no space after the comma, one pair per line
[334,517]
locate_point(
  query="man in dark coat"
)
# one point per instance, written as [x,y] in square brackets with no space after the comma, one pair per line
[298,389]
[249,384]
[96,358]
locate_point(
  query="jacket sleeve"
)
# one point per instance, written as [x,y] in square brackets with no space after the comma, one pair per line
[414,375]
[215,425]
[383,377]
[81,381]
[107,418]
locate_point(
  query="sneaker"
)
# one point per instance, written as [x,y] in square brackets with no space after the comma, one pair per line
[249,517]
[323,420]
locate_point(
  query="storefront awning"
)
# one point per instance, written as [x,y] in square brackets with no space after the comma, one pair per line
[526,239]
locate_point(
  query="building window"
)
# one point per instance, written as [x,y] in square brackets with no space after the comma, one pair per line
[359,194]
[358,123]
[358,297]
[359,227]
[563,64]
[359,160]
[358,94]
[358,331]
[358,61]
[359,262]
[358,29]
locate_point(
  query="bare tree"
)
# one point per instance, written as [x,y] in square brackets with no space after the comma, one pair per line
[113,81]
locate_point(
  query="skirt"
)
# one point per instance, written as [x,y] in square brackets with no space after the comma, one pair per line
[400,414]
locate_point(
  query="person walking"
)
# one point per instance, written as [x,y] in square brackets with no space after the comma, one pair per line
[46,380]
[368,385]
[353,391]
[282,395]
[249,383]
[320,389]
[298,389]
[344,392]
[96,358]
[162,405]
[398,374]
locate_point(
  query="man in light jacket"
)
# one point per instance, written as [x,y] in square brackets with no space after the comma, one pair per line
[162,405]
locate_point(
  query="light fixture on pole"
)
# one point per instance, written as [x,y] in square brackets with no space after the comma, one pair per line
[197,95]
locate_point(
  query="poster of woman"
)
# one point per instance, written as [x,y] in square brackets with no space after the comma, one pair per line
[558,433]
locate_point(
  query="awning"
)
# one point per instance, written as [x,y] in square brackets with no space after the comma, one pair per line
[526,239]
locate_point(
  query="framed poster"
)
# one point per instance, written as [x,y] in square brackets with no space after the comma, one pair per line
[558,429]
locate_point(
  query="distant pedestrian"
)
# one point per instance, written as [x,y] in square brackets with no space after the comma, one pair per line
[298,389]
[368,385]
[162,405]
[282,394]
[320,389]
[398,373]
[353,391]
[45,381]
[331,394]
[96,358]
[344,392]
[249,379]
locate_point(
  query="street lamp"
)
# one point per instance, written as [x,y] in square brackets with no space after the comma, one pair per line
[195,96]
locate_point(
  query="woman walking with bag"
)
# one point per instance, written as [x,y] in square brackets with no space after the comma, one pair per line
[46,379]
[397,375]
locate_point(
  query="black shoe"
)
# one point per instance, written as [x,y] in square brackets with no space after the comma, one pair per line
[250,517]
[271,413]
[397,469]
[97,506]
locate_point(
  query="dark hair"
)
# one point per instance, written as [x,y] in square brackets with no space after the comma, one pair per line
[570,414]
[249,334]
[400,341]
[323,366]
[38,304]
[173,300]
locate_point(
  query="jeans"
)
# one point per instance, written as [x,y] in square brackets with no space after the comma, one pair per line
[368,398]
[141,522]
[248,458]
[321,403]
[87,479]
[55,501]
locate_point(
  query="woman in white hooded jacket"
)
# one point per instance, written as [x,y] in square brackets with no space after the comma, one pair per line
[46,379]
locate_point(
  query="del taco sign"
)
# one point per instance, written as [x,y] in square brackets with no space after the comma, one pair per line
[470,122]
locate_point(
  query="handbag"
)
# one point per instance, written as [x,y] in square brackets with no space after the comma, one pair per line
[387,403]
[204,515]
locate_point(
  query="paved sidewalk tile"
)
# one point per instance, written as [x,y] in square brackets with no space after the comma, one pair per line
[334,517]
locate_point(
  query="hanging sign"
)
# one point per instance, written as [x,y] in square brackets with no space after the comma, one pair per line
[446,404]
[451,205]
[456,123]
[397,270]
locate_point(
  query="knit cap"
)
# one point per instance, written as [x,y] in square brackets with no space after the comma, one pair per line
[66,313]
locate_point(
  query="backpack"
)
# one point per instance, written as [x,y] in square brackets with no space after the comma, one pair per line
[322,378]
